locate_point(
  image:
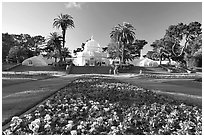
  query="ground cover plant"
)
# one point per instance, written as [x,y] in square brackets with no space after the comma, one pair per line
[169,76]
[103,106]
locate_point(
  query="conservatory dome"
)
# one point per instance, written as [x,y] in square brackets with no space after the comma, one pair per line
[92,46]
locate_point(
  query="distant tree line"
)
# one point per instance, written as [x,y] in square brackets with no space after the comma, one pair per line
[18,47]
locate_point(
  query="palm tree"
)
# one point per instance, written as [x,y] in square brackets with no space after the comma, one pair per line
[63,22]
[54,41]
[123,34]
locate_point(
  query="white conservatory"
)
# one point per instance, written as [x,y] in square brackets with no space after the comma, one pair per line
[92,55]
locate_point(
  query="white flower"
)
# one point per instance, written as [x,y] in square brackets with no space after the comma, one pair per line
[47,126]
[75,108]
[7,132]
[16,120]
[69,127]
[73,132]
[70,122]
[95,107]
[99,119]
[106,109]
[113,127]
[92,129]
[28,116]
[79,127]
[47,118]
[34,126]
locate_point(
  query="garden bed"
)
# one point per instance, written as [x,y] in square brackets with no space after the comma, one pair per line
[31,75]
[169,76]
[103,106]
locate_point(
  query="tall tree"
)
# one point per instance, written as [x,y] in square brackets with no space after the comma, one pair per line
[184,35]
[123,34]
[63,22]
[161,49]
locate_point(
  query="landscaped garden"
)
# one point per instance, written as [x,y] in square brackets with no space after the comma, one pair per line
[104,106]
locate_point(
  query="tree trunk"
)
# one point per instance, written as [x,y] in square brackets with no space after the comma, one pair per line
[63,35]
[160,59]
[169,60]
[36,49]
[60,54]
[182,50]
[122,59]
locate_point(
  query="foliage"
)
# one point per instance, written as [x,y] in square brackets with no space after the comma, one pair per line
[152,55]
[131,51]
[123,34]
[35,42]
[180,42]
[123,43]
[7,42]
[103,106]
[18,54]
[80,49]
[186,34]
[54,42]
[66,53]
[63,21]
[20,47]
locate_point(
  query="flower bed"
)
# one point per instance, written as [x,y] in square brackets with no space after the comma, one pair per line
[169,76]
[26,75]
[103,106]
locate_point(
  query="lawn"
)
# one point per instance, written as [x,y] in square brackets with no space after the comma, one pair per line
[104,106]
[6,66]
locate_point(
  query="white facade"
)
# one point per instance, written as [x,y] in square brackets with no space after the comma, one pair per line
[92,55]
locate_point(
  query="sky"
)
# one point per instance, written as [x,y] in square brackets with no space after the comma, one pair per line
[150,19]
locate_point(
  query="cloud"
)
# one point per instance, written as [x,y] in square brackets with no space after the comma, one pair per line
[73,5]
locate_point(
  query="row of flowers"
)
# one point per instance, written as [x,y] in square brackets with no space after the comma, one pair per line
[102,106]
[169,76]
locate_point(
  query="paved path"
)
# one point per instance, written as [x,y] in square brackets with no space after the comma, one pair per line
[18,97]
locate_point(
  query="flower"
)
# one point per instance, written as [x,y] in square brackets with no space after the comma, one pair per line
[68,127]
[106,109]
[47,127]
[70,122]
[73,132]
[15,122]
[34,126]
[47,118]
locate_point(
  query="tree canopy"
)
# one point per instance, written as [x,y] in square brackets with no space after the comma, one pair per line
[63,21]
[20,46]
[180,42]
[124,44]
